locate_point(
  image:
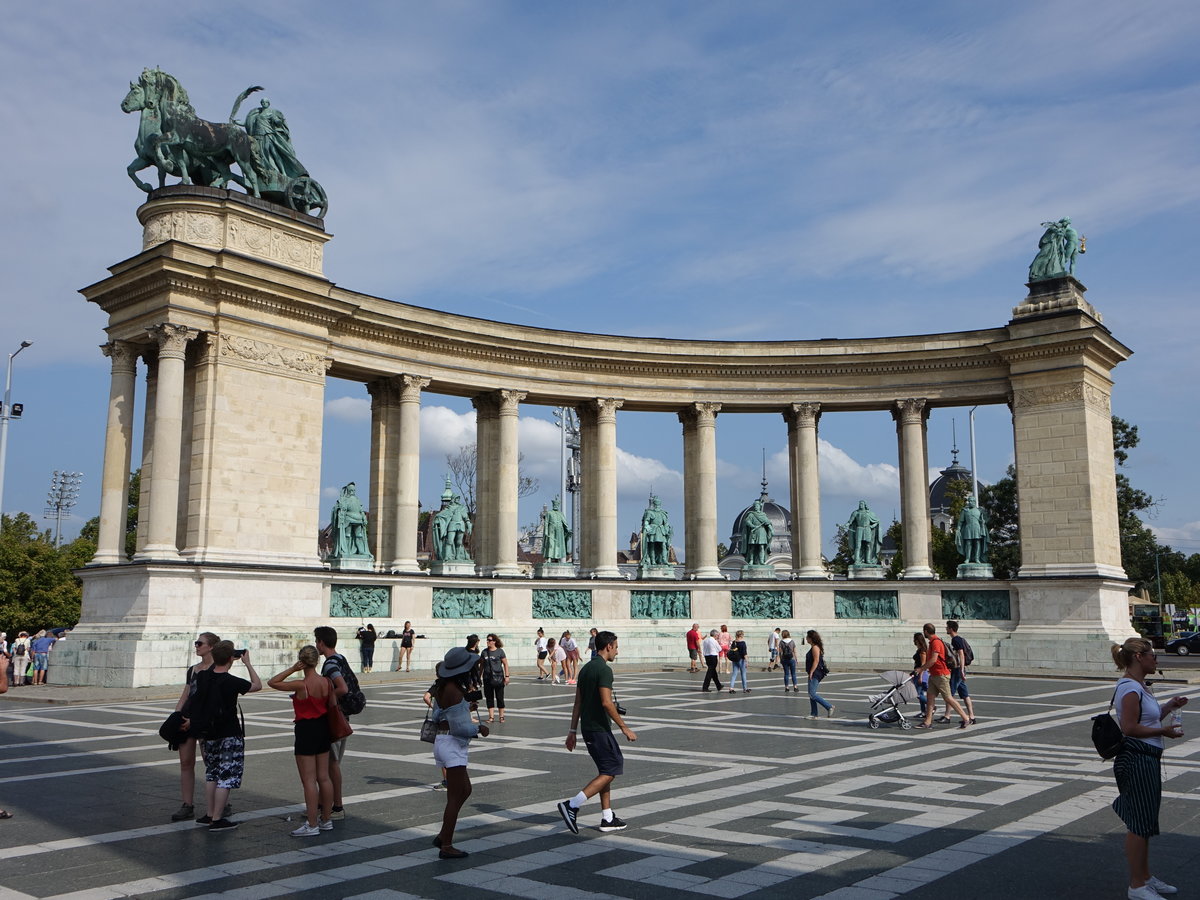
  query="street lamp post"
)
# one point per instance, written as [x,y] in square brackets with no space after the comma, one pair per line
[5,415]
[64,492]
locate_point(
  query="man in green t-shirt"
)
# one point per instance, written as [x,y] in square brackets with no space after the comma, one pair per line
[593,713]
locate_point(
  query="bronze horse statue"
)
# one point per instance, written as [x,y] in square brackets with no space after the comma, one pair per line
[173,139]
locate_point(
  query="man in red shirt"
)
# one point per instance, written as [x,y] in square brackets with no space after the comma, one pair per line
[693,647]
[939,678]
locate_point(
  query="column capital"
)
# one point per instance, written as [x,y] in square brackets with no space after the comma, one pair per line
[911,411]
[411,386]
[606,408]
[124,356]
[383,392]
[487,405]
[700,414]
[510,401]
[172,339]
[803,414]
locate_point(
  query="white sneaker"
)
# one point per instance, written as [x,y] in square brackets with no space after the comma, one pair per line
[1161,886]
[306,830]
[1145,892]
[325,824]
[829,712]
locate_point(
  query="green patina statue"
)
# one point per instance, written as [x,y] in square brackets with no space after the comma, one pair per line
[1059,247]
[451,525]
[174,140]
[656,535]
[971,533]
[757,532]
[555,534]
[863,532]
[349,525]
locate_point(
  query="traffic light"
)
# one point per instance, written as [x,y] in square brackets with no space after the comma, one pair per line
[15,410]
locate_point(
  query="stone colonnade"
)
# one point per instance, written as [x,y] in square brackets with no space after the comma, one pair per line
[229,309]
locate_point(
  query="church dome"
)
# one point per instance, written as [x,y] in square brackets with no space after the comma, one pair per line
[781,522]
[939,492]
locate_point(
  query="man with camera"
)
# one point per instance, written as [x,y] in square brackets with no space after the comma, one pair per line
[593,713]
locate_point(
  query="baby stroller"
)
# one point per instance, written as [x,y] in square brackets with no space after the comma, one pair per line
[885,707]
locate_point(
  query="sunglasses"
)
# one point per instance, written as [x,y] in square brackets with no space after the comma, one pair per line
[199,643]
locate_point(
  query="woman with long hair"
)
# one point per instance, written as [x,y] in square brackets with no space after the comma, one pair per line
[724,638]
[816,670]
[310,698]
[455,729]
[495,675]
[187,750]
[787,659]
[1138,766]
[919,657]
[406,647]
[738,651]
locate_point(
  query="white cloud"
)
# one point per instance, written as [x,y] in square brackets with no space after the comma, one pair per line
[637,476]
[444,431]
[349,409]
[843,476]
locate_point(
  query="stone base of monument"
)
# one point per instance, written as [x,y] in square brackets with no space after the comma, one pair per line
[140,620]
[456,568]
[554,570]
[975,570]
[351,564]
[866,572]
[759,573]
[656,573]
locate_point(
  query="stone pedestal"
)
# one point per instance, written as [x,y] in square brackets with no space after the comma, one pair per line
[867,572]
[554,570]
[351,564]
[759,573]
[455,567]
[656,573]
[975,570]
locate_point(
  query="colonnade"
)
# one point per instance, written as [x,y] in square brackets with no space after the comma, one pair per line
[395,472]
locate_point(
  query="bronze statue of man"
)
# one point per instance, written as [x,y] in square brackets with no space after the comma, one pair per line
[349,522]
[656,535]
[971,533]
[757,532]
[555,534]
[863,531]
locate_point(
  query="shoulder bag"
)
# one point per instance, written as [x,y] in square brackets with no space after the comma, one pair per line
[339,725]
[1107,736]
[428,729]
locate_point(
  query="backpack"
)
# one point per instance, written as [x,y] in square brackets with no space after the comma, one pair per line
[20,649]
[733,654]
[206,709]
[968,653]
[493,668]
[949,657]
[354,700]
[787,650]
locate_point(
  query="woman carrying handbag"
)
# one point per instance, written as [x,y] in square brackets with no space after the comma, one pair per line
[311,696]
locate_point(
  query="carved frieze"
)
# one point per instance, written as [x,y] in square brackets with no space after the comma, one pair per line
[562,604]
[269,356]
[462,603]
[660,604]
[235,232]
[866,605]
[359,601]
[1067,394]
[993,605]
[762,604]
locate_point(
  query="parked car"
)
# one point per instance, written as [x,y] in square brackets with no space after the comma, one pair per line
[1187,642]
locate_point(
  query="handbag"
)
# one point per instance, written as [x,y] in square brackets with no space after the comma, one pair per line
[171,731]
[1107,736]
[339,725]
[428,729]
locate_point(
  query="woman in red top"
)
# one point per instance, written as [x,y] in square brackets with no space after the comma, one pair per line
[939,678]
[310,697]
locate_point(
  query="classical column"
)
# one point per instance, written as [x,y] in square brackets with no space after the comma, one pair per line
[701,513]
[910,416]
[118,444]
[408,474]
[381,493]
[805,487]
[687,418]
[604,497]
[483,537]
[505,487]
[167,440]
[146,473]
[588,540]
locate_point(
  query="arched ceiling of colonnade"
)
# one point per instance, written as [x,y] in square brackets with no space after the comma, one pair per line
[467,356]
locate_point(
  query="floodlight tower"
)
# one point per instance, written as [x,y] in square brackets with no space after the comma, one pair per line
[64,492]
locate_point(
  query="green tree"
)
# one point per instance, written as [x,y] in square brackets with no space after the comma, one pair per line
[91,528]
[1177,588]
[840,564]
[999,501]
[896,533]
[1139,547]
[37,587]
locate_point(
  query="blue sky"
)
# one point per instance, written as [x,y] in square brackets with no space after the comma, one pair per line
[689,169]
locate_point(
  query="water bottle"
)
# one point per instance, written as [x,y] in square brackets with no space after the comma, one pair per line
[1177,720]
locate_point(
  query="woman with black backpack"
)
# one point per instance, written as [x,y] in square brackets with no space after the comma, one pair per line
[495,675]
[816,669]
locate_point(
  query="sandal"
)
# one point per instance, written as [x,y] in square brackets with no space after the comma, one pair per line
[502,720]
[5,814]
[943,718]
[453,854]
[923,725]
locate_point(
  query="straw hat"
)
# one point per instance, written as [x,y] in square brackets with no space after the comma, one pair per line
[456,661]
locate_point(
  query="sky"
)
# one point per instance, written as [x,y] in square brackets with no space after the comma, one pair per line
[703,170]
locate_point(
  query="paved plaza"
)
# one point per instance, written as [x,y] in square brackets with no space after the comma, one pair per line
[725,795]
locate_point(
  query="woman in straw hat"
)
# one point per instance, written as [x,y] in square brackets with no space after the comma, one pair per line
[452,707]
